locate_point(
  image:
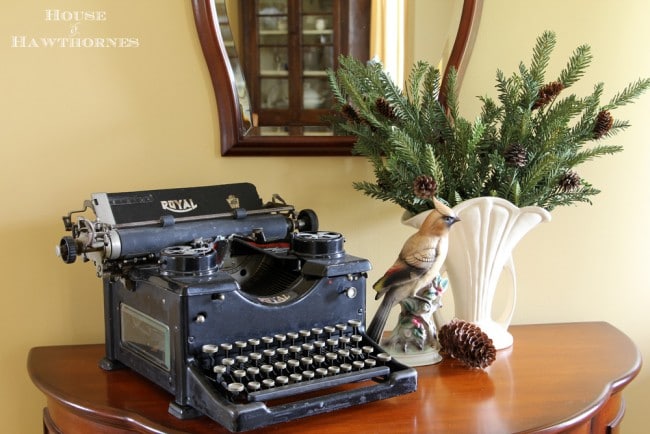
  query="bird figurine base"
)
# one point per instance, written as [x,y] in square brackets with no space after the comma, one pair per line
[413,358]
[413,341]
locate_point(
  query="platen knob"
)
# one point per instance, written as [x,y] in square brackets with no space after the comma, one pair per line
[67,250]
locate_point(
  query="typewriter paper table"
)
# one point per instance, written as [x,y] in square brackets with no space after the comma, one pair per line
[556,378]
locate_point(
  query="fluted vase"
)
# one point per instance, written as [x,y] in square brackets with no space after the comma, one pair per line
[480,248]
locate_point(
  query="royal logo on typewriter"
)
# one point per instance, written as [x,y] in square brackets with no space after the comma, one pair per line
[233,201]
[178,205]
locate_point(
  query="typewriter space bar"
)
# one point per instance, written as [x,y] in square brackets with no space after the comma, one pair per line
[318,384]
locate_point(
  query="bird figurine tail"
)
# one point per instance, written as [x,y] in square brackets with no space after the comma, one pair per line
[378,323]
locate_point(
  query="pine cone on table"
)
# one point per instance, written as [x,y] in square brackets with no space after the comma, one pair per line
[467,343]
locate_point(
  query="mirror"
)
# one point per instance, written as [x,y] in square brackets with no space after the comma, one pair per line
[237,123]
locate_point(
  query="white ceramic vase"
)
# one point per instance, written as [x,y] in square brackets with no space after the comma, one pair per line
[480,247]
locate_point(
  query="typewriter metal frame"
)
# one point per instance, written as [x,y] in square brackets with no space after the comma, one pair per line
[224,276]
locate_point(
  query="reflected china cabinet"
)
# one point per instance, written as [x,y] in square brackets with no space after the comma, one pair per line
[288,47]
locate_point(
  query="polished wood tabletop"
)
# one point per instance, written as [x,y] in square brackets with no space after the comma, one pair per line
[555,378]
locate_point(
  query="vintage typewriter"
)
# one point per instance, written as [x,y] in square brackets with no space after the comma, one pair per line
[244,311]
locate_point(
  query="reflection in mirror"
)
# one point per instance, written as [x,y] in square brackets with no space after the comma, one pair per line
[219,28]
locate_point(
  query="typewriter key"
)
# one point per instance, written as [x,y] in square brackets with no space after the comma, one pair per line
[255,358]
[267,341]
[282,352]
[268,383]
[253,386]
[209,348]
[384,357]
[266,369]
[282,380]
[235,389]
[254,343]
[295,377]
[293,364]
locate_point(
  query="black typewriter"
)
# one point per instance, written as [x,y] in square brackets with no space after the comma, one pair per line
[245,312]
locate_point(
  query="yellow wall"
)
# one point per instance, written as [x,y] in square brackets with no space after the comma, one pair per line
[76,121]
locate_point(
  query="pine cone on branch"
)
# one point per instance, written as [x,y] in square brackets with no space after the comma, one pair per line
[547,93]
[425,187]
[604,122]
[383,107]
[516,156]
[569,182]
[467,343]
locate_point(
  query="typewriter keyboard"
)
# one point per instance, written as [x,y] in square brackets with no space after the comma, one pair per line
[287,364]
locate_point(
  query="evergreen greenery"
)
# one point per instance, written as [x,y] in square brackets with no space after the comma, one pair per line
[523,146]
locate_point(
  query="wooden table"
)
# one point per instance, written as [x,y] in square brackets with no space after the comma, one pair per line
[556,378]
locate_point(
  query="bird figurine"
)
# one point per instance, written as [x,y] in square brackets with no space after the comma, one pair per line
[418,263]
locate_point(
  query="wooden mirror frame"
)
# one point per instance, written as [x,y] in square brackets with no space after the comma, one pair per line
[234,141]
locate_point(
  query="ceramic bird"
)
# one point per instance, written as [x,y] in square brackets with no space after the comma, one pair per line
[418,263]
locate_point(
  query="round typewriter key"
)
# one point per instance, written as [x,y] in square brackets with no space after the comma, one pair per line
[280,338]
[346,367]
[333,370]
[318,359]
[241,345]
[219,370]
[316,331]
[343,354]
[269,353]
[307,348]
[253,386]
[331,357]
[367,349]
[294,350]
[344,341]
[254,343]
[267,341]
[356,339]
[241,360]
[235,388]
[354,323]
[209,348]
[358,365]
[226,347]
[306,361]
[239,374]
[370,363]
[227,362]
[329,330]
[332,344]
[307,375]
[281,380]
[282,352]
[321,372]
[292,336]
[341,328]
[252,372]
[268,383]
[280,367]
[319,345]
[293,364]
[304,334]
[255,358]
[384,357]
[266,369]
[356,352]
[295,377]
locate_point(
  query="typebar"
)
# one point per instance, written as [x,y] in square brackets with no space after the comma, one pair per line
[318,384]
